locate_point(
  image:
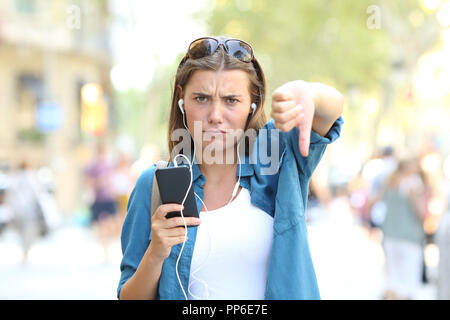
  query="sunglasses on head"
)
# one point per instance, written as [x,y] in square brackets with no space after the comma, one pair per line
[206,46]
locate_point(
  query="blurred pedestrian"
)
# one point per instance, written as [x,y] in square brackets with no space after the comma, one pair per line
[23,199]
[319,197]
[403,233]
[359,199]
[103,209]
[122,183]
[387,164]
[5,211]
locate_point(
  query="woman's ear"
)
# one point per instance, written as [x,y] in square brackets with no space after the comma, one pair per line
[180,91]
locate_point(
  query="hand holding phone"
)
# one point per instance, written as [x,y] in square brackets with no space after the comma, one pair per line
[168,232]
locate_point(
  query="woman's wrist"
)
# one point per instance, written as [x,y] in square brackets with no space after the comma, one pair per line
[144,283]
[327,100]
[314,90]
[152,257]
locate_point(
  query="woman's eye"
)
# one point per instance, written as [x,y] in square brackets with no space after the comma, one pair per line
[200,99]
[232,101]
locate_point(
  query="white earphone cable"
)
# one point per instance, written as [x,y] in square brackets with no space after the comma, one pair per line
[182,215]
[185,229]
[236,188]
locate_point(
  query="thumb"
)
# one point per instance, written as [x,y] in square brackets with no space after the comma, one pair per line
[304,131]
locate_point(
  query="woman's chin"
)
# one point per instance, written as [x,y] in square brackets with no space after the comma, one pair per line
[216,151]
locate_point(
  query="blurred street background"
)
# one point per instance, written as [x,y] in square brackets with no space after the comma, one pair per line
[84,106]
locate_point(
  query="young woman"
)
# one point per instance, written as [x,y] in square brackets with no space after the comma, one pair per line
[251,239]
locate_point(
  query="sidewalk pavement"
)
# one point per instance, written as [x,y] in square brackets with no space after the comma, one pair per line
[68,264]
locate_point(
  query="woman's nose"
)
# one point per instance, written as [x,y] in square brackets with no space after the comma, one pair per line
[216,112]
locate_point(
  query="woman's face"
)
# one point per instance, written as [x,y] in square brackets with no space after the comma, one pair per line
[219,102]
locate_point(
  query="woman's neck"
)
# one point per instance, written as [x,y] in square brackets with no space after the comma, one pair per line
[216,174]
[220,173]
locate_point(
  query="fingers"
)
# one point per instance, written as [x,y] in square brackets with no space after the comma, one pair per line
[166,242]
[282,95]
[283,106]
[159,220]
[167,233]
[168,237]
[164,209]
[172,241]
[286,116]
[173,232]
[287,126]
[178,221]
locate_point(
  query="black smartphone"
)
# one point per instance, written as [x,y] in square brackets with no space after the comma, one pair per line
[173,183]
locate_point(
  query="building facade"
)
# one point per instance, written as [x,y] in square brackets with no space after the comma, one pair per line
[48,51]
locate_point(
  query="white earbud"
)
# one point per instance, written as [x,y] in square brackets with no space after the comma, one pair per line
[253,106]
[180,105]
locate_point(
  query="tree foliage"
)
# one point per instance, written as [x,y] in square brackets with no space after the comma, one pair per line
[316,40]
[334,42]
[320,41]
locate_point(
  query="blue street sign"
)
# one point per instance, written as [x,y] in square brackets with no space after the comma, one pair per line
[49,116]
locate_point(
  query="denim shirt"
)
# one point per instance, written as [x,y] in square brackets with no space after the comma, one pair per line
[279,187]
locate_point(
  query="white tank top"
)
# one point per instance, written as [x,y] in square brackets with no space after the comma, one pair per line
[231,253]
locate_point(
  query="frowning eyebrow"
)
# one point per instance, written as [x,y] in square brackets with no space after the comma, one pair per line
[208,95]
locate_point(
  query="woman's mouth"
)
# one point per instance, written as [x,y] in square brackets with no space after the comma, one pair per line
[214,131]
